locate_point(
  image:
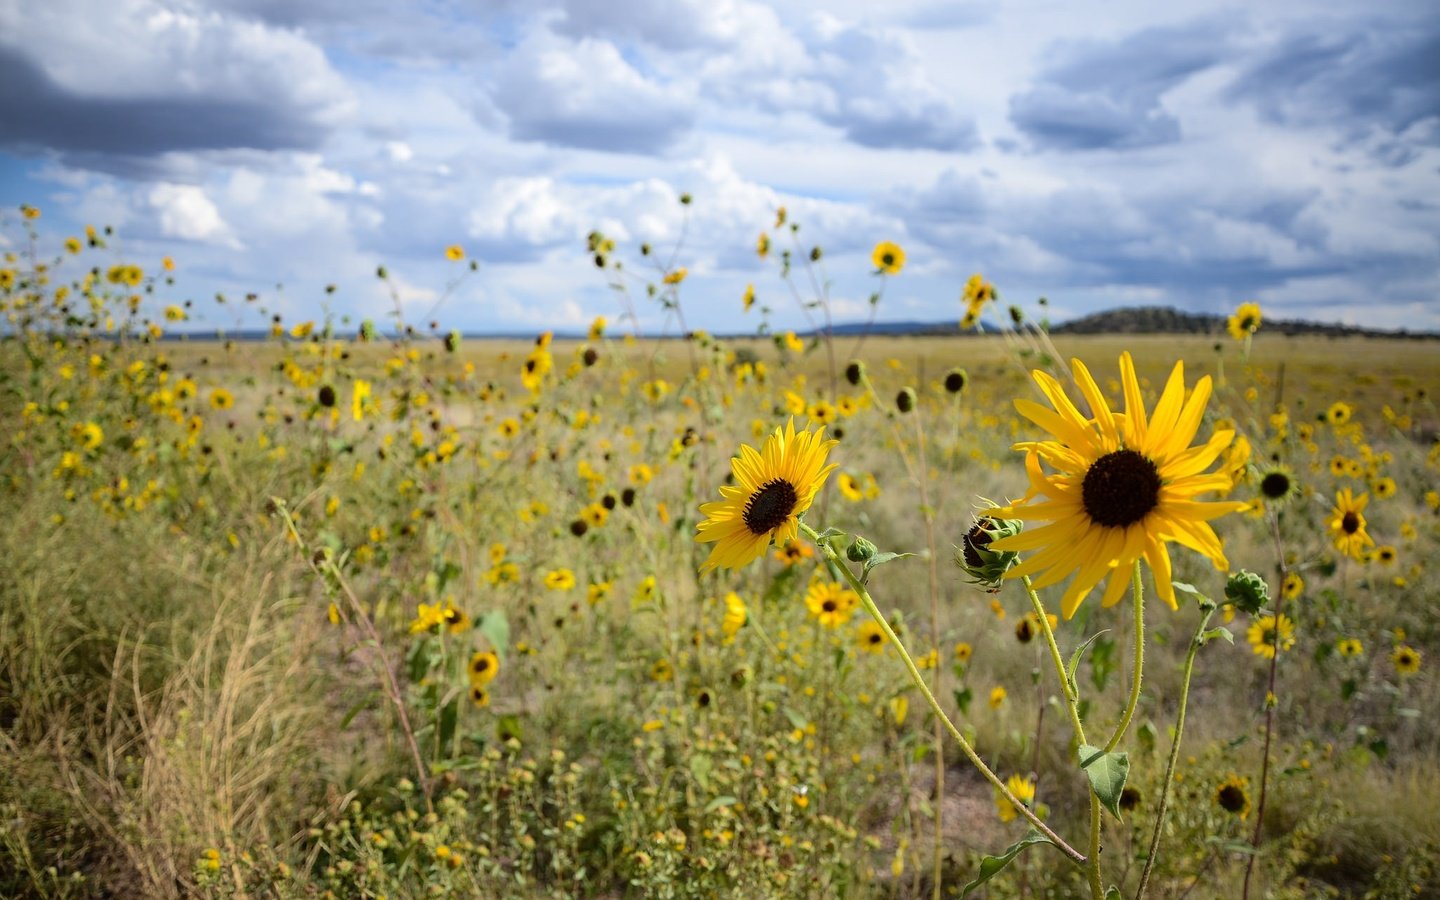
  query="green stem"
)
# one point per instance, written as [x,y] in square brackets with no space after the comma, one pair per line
[1072,704]
[1072,699]
[1195,644]
[919,680]
[1137,677]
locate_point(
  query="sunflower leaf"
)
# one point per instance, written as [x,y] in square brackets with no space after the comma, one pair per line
[828,534]
[991,866]
[1107,773]
[1075,661]
[1217,632]
[880,559]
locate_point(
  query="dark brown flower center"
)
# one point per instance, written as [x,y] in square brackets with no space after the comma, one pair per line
[1275,485]
[770,506]
[1231,798]
[875,638]
[1350,523]
[974,539]
[828,606]
[1120,488]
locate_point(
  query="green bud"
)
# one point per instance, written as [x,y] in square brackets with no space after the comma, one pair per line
[860,550]
[452,341]
[987,567]
[367,330]
[1247,591]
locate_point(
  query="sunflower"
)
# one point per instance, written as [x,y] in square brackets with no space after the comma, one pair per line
[850,487]
[221,399]
[1406,659]
[1268,634]
[560,579]
[1024,790]
[1233,796]
[1348,647]
[1245,321]
[773,488]
[1293,586]
[870,636]
[1124,486]
[1338,413]
[483,667]
[888,258]
[830,603]
[735,615]
[454,252]
[1347,523]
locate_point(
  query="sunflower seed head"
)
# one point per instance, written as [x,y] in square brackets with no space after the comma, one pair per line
[985,566]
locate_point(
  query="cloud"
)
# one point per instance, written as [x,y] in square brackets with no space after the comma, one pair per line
[1370,81]
[185,212]
[1108,95]
[134,79]
[585,94]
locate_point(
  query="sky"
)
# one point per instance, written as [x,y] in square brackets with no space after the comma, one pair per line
[1192,153]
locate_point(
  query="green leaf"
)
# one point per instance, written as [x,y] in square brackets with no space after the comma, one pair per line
[449,717]
[1113,893]
[880,559]
[700,766]
[1147,735]
[721,802]
[1075,661]
[496,629]
[991,866]
[355,710]
[1188,589]
[1107,773]
[1218,632]
[828,534]
[796,720]
[962,700]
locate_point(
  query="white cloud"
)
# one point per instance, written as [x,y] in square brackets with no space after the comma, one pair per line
[185,212]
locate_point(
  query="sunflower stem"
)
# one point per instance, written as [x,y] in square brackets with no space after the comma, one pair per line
[869,603]
[1195,643]
[1137,676]
[1072,697]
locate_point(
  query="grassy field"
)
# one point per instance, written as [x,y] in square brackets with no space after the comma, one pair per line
[321,616]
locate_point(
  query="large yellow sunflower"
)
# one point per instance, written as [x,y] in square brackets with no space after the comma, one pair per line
[772,488]
[1347,523]
[1123,486]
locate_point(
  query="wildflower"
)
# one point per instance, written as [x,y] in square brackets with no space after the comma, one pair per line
[830,603]
[661,670]
[454,252]
[440,614]
[1384,488]
[597,591]
[221,399]
[772,489]
[955,380]
[1347,523]
[1124,486]
[1385,554]
[748,299]
[762,245]
[676,276]
[735,615]
[1268,635]
[888,258]
[1244,322]
[1348,647]
[997,697]
[1406,659]
[483,667]
[479,695]
[850,487]
[1233,796]
[963,652]
[560,579]
[905,399]
[360,399]
[645,592]
[1024,790]
[870,636]
[1293,586]
[1339,413]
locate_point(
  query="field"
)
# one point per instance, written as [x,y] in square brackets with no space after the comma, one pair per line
[329,616]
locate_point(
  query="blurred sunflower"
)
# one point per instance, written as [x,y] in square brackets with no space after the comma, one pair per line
[1347,523]
[888,258]
[1245,321]
[870,636]
[1233,796]
[1124,486]
[831,604]
[1406,659]
[773,488]
[1268,634]
[1024,790]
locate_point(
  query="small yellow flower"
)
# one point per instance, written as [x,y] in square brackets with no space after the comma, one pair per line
[1024,790]
[560,579]
[1406,659]
[997,697]
[888,258]
[454,252]
[1269,634]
